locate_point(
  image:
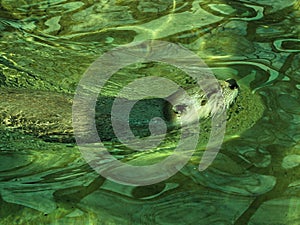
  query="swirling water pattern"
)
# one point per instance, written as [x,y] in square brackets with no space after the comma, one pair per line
[47,46]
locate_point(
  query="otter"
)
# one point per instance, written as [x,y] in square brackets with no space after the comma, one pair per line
[48,115]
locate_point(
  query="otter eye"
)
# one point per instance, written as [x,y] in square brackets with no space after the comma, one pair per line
[232,84]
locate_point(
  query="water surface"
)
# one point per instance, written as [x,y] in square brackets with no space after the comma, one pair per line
[47,45]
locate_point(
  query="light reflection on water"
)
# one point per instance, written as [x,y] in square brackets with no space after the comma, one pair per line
[48,45]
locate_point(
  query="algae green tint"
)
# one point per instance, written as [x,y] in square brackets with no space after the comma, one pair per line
[83,113]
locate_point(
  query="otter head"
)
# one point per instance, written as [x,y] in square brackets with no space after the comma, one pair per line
[198,105]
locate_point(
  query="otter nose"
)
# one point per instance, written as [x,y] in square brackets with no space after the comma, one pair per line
[232,84]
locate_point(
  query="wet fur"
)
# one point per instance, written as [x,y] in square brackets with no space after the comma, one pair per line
[198,105]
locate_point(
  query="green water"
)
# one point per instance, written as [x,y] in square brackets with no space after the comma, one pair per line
[46,46]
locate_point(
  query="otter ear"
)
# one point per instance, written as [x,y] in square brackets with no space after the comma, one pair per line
[178,109]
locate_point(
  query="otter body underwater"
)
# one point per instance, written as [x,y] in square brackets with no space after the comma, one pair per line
[49,115]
